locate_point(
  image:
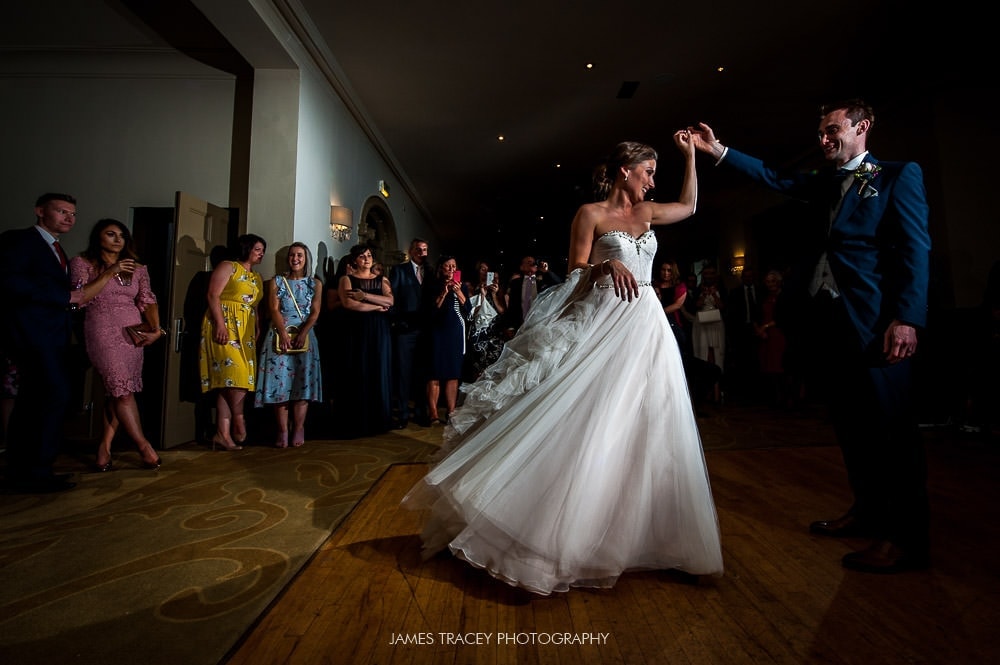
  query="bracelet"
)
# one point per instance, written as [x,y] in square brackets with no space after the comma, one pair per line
[604,263]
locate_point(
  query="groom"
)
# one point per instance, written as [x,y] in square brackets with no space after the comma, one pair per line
[865,278]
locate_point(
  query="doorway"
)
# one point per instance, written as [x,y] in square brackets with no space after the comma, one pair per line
[175,243]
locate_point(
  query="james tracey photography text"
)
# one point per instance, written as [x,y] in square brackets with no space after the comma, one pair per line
[501,639]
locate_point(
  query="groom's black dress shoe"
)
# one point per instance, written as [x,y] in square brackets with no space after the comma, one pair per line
[884,557]
[842,527]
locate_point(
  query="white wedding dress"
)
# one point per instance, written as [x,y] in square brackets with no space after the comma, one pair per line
[576,456]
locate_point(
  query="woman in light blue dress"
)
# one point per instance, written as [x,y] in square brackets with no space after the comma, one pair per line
[291,378]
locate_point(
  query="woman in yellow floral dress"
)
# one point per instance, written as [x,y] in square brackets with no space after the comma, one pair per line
[229,332]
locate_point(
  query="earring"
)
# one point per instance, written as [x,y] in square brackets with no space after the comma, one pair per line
[626,177]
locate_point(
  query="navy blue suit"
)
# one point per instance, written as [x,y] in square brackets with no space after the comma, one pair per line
[878,248]
[36,330]
[407,323]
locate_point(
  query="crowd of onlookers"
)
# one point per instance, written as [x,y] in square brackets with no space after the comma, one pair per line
[398,343]
[737,342]
[375,348]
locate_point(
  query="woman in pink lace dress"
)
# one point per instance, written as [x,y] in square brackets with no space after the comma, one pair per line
[117,297]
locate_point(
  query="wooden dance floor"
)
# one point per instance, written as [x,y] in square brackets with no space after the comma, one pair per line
[367,597]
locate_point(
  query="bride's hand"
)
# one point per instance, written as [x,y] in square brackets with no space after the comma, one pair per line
[626,287]
[684,140]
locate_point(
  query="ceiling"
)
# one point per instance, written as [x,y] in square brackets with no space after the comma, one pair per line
[441,80]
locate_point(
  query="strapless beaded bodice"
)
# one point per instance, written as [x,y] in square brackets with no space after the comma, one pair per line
[636,253]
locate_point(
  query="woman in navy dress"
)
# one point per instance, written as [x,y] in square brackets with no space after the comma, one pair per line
[446,308]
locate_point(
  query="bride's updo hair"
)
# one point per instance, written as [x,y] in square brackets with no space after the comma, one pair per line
[626,153]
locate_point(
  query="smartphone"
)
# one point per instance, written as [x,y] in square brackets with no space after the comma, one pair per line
[458,277]
[490,278]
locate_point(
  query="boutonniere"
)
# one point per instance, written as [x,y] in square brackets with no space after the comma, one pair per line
[865,173]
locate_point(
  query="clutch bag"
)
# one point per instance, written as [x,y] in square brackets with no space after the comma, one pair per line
[293,334]
[709,315]
[136,334]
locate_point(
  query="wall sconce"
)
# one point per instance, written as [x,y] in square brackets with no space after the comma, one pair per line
[383,189]
[738,263]
[341,223]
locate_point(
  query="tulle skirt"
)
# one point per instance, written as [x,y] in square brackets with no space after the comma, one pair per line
[576,456]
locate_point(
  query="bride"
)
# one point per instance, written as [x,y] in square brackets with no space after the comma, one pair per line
[576,456]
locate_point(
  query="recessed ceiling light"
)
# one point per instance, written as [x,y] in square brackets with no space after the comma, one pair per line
[501,138]
[590,65]
[720,69]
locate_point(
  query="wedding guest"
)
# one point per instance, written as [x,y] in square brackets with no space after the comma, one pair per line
[866,265]
[522,290]
[485,324]
[672,293]
[772,342]
[36,332]
[577,456]
[446,307]
[702,376]
[709,330]
[229,333]
[363,403]
[122,319]
[742,311]
[547,275]
[406,281]
[290,374]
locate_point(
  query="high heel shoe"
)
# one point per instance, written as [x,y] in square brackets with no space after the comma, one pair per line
[155,464]
[103,467]
[216,441]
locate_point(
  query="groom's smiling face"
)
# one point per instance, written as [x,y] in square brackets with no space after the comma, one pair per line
[839,139]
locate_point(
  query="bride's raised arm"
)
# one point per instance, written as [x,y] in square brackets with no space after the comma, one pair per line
[687,203]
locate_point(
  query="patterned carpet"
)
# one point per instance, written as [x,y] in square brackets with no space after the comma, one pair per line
[173,566]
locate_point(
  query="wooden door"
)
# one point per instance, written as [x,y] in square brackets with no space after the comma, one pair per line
[199,226]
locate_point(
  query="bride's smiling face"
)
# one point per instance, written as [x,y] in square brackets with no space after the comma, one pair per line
[640,179]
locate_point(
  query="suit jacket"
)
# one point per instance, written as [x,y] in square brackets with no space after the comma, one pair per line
[737,307]
[38,288]
[406,296]
[878,245]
